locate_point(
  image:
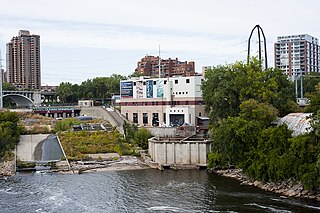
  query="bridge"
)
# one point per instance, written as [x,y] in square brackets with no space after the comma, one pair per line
[27,98]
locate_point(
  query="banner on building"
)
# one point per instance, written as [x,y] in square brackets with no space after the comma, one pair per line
[159,88]
[139,89]
[126,89]
[149,85]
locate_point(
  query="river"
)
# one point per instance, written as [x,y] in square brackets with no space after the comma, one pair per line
[140,191]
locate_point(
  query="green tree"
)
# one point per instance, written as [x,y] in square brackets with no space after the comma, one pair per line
[8,87]
[226,87]
[9,131]
[141,137]
[262,112]
[64,91]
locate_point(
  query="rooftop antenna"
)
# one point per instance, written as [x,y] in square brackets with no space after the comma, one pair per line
[259,40]
[159,63]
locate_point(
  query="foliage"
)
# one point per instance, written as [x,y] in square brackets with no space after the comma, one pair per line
[65,124]
[78,144]
[309,81]
[129,131]
[252,110]
[141,137]
[314,98]
[8,87]
[226,87]
[242,131]
[23,165]
[99,87]
[9,131]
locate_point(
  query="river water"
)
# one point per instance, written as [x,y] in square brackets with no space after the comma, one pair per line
[140,191]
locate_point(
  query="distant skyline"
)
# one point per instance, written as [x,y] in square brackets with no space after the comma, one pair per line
[81,39]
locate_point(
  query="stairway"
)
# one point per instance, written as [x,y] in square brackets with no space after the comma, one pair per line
[105,114]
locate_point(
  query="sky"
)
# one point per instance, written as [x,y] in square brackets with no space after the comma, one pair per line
[84,39]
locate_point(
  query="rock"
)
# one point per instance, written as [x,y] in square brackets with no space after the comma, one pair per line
[290,193]
[257,183]
[304,192]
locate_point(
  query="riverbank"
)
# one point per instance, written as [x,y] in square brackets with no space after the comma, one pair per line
[7,168]
[124,163]
[288,188]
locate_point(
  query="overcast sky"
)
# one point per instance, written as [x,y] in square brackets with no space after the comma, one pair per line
[83,39]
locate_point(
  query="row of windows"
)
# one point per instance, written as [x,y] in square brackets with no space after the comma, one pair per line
[164,82]
[156,103]
[180,93]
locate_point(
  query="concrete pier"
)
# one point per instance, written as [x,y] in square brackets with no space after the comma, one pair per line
[177,152]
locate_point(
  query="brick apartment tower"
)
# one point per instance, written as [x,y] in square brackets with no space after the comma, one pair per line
[149,66]
[297,54]
[23,61]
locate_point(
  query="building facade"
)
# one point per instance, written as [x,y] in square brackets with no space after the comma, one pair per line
[149,66]
[297,54]
[23,61]
[171,101]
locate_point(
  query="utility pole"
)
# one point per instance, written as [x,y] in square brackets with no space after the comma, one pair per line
[159,64]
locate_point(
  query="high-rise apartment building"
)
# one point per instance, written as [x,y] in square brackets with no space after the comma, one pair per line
[149,66]
[23,61]
[297,54]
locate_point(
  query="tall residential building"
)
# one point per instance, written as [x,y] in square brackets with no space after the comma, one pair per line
[149,66]
[297,54]
[23,61]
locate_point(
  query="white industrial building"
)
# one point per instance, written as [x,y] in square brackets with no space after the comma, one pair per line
[167,102]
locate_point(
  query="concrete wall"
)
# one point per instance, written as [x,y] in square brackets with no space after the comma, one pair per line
[171,131]
[179,153]
[27,145]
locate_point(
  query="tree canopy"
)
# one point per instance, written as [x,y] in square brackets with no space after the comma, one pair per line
[226,87]
[99,87]
[9,132]
[243,100]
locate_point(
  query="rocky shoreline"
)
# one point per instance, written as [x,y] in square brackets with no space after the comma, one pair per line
[288,188]
[7,168]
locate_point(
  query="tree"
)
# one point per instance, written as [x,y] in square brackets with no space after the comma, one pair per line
[8,87]
[64,91]
[226,87]
[262,112]
[9,131]
[141,137]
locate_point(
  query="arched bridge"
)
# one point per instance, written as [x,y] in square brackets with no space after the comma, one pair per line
[24,98]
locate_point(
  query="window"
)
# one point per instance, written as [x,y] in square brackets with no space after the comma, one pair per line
[127,115]
[135,118]
[156,103]
[187,102]
[176,81]
[199,113]
[187,80]
[155,119]
[145,118]
[154,83]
